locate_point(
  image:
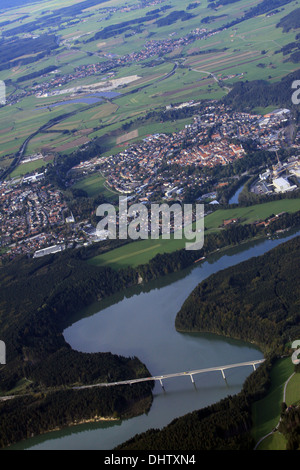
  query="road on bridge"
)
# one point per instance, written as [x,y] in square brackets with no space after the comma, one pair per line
[160,378]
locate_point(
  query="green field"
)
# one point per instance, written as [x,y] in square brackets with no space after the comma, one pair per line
[232,55]
[275,441]
[136,253]
[293,391]
[266,412]
[141,252]
[248,215]
[25,168]
[95,185]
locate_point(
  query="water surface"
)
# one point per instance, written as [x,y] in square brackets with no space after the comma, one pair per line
[141,323]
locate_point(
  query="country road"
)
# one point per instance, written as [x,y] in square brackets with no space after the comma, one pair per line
[276,427]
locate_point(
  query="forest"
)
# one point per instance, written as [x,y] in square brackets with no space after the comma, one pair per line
[290,426]
[222,426]
[44,412]
[291,21]
[258,301]
[119,28]
[216,4]
[12,49]
[174,17]
[6,4]
[37,74]
[41,297]
[249,95]
[53,18]
[262,8]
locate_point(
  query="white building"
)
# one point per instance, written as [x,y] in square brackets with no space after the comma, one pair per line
[264,176]
[282,185]
[295,171]
[49,251]
[33,178]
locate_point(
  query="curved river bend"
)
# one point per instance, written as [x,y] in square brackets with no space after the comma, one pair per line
[141,324]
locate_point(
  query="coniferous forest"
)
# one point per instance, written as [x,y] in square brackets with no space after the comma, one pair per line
[40,298]
[258,301]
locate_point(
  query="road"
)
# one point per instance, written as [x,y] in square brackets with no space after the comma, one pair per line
[160,378]
[276,427]
[20,154]
[214,77]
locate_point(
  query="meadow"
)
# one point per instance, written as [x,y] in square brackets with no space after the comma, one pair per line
[94,186]
[142,251]
[293,391]
[266,412]
[244,52]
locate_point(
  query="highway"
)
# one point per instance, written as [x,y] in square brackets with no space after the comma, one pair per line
[160,378]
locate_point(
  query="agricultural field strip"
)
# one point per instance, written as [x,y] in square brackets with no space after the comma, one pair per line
[240,7]
[212,223]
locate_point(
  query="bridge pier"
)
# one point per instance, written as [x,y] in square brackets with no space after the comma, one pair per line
[191,373]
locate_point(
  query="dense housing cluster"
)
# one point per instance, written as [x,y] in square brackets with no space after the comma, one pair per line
[215,138]
[32,216]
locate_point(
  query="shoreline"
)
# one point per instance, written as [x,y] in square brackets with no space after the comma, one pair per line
[112,419]
[75,423]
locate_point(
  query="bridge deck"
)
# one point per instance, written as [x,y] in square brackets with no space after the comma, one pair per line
[177,374]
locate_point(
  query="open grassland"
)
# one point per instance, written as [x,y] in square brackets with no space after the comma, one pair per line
[275,441]
[141,252]
[248,215]
[243,55]
[29,167]
[95,185]
[269,408]
[293,391]
[246,51]
[19,121]
[56,143]
[266,412]
[137,253]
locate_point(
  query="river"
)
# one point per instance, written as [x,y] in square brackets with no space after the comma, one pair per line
[235,198]
[141,324]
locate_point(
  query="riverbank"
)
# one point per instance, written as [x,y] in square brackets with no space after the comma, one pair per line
[136,410]
[221,306]
[128,352]
[142,252]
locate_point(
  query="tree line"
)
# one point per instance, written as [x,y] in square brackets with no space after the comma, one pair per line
[260,93]
[255,301]
[11,50]
[41,297]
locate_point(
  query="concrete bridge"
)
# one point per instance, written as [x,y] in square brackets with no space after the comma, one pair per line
[190,373]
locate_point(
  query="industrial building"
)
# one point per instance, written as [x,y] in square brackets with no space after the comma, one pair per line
[282,185]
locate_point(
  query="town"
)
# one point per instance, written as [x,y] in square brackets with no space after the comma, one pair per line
[163,165]
[53,79]
[32,216]
[35,217]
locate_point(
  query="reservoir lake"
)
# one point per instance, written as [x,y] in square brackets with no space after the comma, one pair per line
[141,322]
